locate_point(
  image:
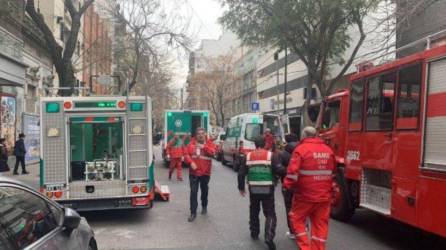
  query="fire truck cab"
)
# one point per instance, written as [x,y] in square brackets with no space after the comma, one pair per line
[389,135]
[97,152]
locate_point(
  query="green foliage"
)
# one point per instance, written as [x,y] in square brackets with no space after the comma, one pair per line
[316,30]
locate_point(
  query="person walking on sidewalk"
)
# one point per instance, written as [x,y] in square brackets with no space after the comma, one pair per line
[175,153]
[310,178]
[3,156]
[20,152]
[198,154]
[261,168]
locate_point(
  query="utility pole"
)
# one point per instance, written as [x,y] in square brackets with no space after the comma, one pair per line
[276,59]
[285,80]
[181,98]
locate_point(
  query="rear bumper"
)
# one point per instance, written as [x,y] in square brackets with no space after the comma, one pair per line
[144,202]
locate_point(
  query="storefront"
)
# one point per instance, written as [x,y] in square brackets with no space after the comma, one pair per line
[12,80]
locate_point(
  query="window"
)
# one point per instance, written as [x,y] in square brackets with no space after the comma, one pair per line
[356,105]
[409,97]
[331,115]
[380,102]
[313,93]
[26,217]
[253,130]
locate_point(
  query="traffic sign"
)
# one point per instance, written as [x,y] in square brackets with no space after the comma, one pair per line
[255,106]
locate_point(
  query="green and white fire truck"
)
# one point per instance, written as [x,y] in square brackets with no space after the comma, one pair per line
[183,122]
[96,152]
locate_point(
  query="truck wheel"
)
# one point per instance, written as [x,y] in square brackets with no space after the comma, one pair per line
[342,208]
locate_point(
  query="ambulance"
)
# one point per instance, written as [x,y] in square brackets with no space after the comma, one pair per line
[96,152]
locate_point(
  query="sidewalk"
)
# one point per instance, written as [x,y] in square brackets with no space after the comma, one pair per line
[31,179]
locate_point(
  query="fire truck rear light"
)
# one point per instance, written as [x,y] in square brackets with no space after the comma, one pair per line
[143,189]
[135,189]
[67,105]
[121,104]
[49,194]
[58,194]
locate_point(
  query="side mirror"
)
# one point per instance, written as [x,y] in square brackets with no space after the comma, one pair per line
[71,219]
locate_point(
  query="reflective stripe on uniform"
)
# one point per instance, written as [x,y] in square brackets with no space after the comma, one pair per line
[261,162]
[260,183]
[269,156]
[315,172]
[318,239]
[301,234]
[292,176]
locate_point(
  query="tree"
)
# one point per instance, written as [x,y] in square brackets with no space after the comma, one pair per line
[216,78]
[147,30]
[61,55]
[318,31]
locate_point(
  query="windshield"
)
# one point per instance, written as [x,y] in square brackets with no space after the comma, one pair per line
[253,130]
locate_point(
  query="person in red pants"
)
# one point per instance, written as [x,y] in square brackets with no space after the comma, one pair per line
[175,153]
[310,178]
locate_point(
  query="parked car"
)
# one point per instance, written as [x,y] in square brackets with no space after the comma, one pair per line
[220,139]
[29,220]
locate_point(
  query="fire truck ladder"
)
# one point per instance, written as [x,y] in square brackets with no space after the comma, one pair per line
[137,171]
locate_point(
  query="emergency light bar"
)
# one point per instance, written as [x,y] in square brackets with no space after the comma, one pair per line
[106,104]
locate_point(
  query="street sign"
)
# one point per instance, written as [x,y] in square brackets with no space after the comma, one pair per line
[255,106]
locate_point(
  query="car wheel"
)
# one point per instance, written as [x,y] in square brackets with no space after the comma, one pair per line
[92,245]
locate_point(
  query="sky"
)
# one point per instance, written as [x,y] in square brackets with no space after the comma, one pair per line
[204,22]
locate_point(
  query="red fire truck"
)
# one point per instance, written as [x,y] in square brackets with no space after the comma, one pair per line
[389,134]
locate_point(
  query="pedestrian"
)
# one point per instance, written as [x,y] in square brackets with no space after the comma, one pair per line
[261,168]
[310,178]
[269,139]
[20,152]
[198,154]
[175,154]
[291,143]
[3,156]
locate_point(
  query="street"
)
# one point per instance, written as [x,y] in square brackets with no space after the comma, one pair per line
[165,226]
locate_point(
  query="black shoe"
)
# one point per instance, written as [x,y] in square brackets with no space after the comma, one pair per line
[192,217]
[254,236]
[15,173]
[25,172]
[270,244]
[204,211]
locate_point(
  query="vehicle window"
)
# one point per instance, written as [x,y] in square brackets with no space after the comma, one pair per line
[409,97]
[380,102]
[26,217]
[253,130]
[233,132]
[356,105]
[331,114]
[273,123]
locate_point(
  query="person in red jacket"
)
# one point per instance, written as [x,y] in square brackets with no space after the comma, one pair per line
[269,139]
[198,154]
[175,153]
[310,178]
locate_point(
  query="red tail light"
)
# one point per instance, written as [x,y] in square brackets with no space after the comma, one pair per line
[67,105]
[49,194]
[143,189]
[121,104]
[135,189]
[58,194]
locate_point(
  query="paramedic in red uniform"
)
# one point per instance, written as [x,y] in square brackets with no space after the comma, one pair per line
[198,154]
[175,153]
[269,139]
[310,178]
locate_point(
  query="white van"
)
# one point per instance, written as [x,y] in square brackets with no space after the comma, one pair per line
[241,132]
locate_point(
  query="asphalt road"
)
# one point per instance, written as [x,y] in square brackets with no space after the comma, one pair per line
[226,225]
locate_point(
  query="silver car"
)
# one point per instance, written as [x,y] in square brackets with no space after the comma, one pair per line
[28,220]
